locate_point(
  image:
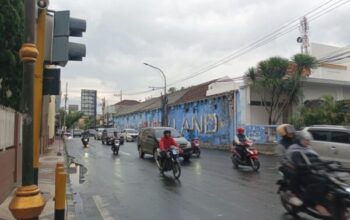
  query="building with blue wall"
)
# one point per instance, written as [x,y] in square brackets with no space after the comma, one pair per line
[191,110]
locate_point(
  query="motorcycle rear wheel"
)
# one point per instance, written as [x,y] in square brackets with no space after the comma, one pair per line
[176,170]
[286,205]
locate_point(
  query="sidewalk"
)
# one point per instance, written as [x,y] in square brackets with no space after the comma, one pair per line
[46,183]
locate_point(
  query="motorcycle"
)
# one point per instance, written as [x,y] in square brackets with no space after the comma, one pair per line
[250,157]
[170,163]
[195,147]
[115,146]
[337,200]
[85,141]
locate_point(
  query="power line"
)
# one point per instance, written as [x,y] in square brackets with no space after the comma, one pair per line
[268,38]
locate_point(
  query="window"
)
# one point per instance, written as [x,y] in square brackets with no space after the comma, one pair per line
[340,137]
[320,135]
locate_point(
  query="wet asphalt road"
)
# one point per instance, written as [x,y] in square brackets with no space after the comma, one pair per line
[126,187]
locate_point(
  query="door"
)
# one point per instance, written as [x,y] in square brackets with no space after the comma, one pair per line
[148,147]
[321,143]
[340,146]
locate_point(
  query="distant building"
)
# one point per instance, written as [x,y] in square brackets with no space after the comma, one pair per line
[73,108]
[89,103]
[117,107]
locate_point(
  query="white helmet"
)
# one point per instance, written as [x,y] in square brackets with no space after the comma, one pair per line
[303,135]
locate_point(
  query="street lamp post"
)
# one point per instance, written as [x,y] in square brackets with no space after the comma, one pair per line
[165,99]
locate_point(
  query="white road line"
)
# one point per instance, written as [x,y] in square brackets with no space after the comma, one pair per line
[106,215]
[124,153]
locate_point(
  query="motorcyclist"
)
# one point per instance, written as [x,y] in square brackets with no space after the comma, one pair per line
[166,142]
[305,160]
[85,135]
[239,142]
[287,132]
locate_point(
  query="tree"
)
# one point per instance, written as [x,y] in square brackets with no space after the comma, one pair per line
[11,38]
[171,90]
[89,122]
[72,119]
[324,111]
[278,81]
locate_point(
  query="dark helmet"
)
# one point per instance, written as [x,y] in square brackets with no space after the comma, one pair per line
[167,132]
[286,130]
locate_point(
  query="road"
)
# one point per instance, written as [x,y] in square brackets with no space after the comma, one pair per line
[126,187]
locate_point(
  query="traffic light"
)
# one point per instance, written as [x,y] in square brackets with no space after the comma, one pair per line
[60,27]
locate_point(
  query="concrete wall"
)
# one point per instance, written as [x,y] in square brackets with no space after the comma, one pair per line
[316,91]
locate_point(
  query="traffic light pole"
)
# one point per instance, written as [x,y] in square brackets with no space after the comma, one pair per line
[28,202]
[38,90]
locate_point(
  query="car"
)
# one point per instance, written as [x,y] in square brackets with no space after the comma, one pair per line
[98,133]
[77,133]
[331,142]
[130,135]
[108,135]
[149,138]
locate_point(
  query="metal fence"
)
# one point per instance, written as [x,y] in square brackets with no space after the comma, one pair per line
[7,128]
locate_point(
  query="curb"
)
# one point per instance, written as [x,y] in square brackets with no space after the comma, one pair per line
[69,194]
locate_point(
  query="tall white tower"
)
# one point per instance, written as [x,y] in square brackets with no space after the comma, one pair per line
[304,35]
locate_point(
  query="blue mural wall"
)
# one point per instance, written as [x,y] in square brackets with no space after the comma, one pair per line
[209,120]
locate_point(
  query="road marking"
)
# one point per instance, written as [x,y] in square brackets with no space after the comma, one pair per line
[106,215]
[124,153]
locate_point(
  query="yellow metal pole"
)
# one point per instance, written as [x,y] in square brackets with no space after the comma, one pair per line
[38,90]
[60,195]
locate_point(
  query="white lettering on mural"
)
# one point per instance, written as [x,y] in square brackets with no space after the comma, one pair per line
[207,123]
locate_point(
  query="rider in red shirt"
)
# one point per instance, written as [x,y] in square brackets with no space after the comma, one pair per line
[166,142]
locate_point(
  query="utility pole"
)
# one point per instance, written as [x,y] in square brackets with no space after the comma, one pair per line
[65,107]
[304,35]
[120,95]
[19,206]
[103,110]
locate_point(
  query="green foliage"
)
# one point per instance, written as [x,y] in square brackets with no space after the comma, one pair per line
[325,111]
[72,118]
[89,122]
[278,81]
[11,38]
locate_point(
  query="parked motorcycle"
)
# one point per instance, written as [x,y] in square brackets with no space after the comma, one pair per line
[115,146]
[85,141]
[195,147]
[249,157]
[337,200]
[171,163]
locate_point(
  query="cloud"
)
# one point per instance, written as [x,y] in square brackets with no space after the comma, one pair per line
[181,37]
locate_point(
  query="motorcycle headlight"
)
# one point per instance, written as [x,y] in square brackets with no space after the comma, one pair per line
[188,144]
[347,189]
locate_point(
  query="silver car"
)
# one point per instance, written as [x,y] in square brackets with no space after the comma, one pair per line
[130,134]
[331,142]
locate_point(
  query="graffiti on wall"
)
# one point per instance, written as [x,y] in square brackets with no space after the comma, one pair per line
[207,123]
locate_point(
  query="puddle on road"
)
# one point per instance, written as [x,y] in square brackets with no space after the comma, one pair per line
[77,173]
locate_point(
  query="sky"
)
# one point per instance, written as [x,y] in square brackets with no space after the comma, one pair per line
[182,37]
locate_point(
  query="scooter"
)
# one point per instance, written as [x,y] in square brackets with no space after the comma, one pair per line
[195,147]
[85,141]
[337,200]
[115,146]
[250,157]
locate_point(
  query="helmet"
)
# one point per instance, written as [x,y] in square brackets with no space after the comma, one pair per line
[166,132]
[240,130]
[303,136]
[286,130]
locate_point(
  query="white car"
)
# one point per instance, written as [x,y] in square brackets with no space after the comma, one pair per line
[331,142]
[129,134]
